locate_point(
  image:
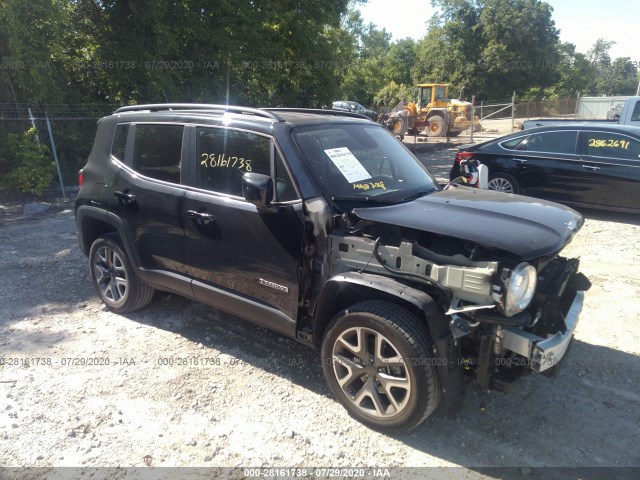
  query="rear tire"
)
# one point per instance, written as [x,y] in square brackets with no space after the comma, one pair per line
[378,360]
[503,182]
[114,278]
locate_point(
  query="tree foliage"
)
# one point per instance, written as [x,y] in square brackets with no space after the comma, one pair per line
[493,47]
[287,52]
[28,166]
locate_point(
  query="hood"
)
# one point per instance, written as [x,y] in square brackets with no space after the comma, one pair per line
[524,226]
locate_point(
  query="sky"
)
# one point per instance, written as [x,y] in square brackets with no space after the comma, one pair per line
[580,22]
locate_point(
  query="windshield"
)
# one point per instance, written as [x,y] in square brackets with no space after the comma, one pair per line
[362,163]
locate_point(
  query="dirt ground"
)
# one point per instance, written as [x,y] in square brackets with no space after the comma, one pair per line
[181,384]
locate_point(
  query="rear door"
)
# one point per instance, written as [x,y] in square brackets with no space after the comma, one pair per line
[231,245]
[610,170]
[148,193]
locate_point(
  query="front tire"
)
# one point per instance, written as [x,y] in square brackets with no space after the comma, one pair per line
[114,278]
[378,360]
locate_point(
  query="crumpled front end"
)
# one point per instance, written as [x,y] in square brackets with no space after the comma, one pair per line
[555,312]
[512,304]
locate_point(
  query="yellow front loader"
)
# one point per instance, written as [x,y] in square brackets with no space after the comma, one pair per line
[434,114]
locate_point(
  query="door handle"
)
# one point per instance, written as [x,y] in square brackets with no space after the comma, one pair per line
[125,198]
[201,218]
[521,160]
[591,167]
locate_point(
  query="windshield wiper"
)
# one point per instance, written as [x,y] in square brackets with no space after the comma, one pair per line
[361,199]
[420,193]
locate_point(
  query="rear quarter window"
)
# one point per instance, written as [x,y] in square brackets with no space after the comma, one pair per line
[119,141]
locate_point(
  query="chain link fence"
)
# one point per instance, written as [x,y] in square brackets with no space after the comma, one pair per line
[67,132]
[553,107]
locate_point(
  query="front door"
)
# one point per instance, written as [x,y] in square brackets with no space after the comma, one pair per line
[232,246]
[610,170]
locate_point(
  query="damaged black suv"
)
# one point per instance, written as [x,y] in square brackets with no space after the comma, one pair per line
[323,226]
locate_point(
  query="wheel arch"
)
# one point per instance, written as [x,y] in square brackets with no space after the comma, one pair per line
[346,289]
[440,112]
[93,222]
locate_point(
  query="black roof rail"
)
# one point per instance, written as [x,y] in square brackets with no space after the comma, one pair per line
[158,107]
[318,111]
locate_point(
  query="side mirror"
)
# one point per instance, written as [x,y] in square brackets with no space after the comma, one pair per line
[257,189]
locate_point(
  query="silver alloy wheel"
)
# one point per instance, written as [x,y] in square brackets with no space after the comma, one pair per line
[500,184]
[371,372]
[111,276]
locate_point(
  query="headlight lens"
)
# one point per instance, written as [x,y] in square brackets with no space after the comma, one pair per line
[520,289]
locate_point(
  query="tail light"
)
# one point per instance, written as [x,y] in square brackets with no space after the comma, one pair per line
[463,156]
[80,178]
[468,168]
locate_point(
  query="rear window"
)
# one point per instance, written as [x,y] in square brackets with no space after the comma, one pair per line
[545,142]
[157,151]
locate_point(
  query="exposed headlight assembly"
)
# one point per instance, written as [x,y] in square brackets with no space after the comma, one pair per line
[520,286]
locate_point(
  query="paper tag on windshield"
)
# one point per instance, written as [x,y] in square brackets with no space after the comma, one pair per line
[348,164]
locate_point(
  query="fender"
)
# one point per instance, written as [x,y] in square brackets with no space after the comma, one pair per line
[446,349]
[84,212]
[162,280]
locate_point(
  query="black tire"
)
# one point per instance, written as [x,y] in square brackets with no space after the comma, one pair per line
[503,182]
[412,390]
[454,133]
[436,127]
[398,126]
[114,278]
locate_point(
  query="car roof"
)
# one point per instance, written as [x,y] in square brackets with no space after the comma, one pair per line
[613,127]
[207,112]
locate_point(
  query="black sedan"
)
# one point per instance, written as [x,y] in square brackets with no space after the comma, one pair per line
[584,165]
[355,107]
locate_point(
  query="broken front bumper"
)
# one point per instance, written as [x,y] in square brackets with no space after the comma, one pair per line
[544,353]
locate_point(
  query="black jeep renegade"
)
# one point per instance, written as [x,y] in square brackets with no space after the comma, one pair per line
[323,226]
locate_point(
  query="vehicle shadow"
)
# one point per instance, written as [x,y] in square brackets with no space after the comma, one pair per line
[610,216]
[587,414]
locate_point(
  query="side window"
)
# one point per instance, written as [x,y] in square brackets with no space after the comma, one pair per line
[612,145]
[552,142]
[224,155]
[157,151]
[119,141]
[635,115]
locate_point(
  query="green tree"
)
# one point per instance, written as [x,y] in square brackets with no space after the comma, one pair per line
[28,167]
[364,78]
[610,78]
[491,47]
[392,94]
[37,41]
[575,73]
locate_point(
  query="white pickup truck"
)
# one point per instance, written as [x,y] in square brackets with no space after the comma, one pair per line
[630,115]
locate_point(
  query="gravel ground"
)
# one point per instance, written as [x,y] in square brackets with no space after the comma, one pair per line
[181,384]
